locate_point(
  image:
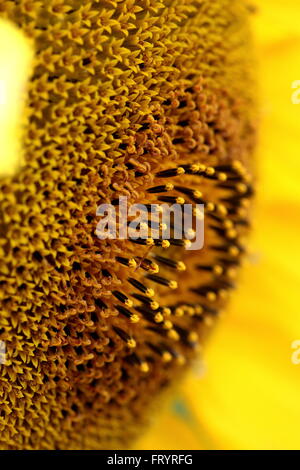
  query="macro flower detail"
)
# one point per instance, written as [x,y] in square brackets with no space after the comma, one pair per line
[153,100]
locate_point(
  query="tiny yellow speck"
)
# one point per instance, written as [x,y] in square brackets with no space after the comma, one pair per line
[132,263]
[222,209]
[168,325]
[144,367]
[166,356]
[154,305]
[210,171]
[241,188]
[158,318]
[149,292]
[237,165]
[193,337]
[134,318]
[218,270]
[197,194]
[154,268]
[234,251]
[228,223]
[198,310]
[231,272]
[166,311]
[187,244]
[181,360]
[222,177]
[179,312]
[172,334]
[190,311]
[231,233]
[131,343]
[173,284]
[180,200]
[181,266]
[210,206]
[211,296]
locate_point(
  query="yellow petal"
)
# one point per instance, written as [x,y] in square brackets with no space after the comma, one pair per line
[15,58]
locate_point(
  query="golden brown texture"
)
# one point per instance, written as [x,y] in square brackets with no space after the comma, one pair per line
[121,91]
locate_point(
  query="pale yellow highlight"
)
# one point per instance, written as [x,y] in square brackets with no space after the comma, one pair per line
[15,59]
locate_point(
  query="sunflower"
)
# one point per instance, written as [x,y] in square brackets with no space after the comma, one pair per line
[247,395]
[153,101]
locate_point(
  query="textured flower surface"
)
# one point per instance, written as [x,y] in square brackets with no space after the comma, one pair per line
[248,397]
[149,99]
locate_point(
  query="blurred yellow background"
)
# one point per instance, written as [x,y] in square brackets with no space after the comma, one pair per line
[248,397]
